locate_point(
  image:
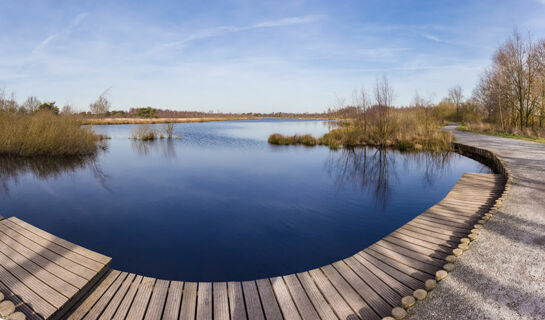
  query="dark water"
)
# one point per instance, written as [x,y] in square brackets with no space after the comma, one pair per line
[223,204]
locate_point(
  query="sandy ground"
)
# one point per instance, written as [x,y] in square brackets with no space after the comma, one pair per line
[502,276]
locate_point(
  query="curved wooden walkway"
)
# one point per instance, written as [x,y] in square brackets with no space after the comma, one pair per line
[366,285]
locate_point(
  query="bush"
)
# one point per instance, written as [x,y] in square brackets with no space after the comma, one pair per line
[143,132]
[45,134]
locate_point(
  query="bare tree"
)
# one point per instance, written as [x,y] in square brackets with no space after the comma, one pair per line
[456,96]
[384,96]
[31,104]
[361,102]
[67,110]
[102,105]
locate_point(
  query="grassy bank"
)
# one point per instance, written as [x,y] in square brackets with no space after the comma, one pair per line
[403,129]
[497,133]
[45,134]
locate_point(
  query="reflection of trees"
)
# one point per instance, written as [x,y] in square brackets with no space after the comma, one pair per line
[369,169]
[374,170]
[166,147]
[11,168]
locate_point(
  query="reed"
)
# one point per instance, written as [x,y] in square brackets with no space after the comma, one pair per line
[44,133]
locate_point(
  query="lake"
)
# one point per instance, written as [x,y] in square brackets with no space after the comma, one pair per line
[221,203]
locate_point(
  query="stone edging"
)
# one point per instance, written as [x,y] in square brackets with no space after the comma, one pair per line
[497,164]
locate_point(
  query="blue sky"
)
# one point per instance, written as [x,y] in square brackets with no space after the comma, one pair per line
[240,56]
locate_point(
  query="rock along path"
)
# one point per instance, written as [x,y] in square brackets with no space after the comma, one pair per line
[502,276]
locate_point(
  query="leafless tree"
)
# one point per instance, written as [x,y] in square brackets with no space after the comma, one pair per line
[456,96]
[31,104]
[102,105]
[384,96]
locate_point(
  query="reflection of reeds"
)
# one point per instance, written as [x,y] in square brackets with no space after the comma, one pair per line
[11,168]
[145,132]
[144,147]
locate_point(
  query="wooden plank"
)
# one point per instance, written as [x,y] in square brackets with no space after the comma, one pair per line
[428,242]
[336,302]
[157,300]
[104,300]
[44,291]
[189,301]
[379,305]
[401,289]
[204,301]
[302,301]
[399,258]
[94,296]
[37,303]
[174,300]
[253,303]
[82,260]
[20,305]
[349,294]
[236,301]
[45,276]
[268,300]
[436,253]
[64,243]
[54,268]
[140,302]
[318,301]
[110,310]
[429,233]
[123,308]
[287,306]
[407,277]
[221,302]
[417,256]
[75,268]
[385,256]
[374,282]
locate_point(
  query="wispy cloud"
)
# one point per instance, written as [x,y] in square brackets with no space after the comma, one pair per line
[73,23]
[216,31]
[381,51]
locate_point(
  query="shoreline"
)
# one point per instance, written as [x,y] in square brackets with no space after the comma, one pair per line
[117,121]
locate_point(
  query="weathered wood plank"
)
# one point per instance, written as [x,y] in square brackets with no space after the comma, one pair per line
[236,301]
[125,304]
[221,302]
[287,306]
[105,298]
[270,305]
[94,296]
[306,309]
[204,301]
[140,302]
[336,302]
[174,300]
[157,300]
[253,303]
[115,302]
[189,301]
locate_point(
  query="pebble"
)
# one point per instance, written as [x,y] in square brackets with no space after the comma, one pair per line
[478,226]
[17,316]
[440,275]
[407,302]
[430,284]
[399,313]
[463,246]
[420,294]
[449,267]
[464,240]
[6,308]
[473,236]
[457,252]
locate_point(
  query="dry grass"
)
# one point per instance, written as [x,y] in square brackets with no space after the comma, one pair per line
[279,139]
[406,129]
[45,134]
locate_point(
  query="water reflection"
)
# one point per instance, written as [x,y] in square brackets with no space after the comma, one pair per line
[374,170]
[147,147]
[12,169]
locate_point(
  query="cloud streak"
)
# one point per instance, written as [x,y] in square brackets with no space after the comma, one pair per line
[73,23]
[217,31]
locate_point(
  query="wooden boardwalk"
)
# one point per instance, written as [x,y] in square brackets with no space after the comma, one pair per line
[42,274]
[366,285]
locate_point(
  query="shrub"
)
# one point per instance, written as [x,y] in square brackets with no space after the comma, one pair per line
[143,132]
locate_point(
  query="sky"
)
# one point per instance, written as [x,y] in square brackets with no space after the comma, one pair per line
[250,56]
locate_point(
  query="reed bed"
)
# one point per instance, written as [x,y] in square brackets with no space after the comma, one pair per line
[45,134]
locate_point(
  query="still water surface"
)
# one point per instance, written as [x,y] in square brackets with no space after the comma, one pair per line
[222,204]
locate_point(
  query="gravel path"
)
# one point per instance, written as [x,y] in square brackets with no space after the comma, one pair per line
[502,276]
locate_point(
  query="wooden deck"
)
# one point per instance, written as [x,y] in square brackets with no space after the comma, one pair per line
[43,274]
[366,285]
